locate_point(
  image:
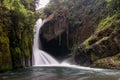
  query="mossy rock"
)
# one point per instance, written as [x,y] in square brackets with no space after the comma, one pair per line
[103,44]
[5,56]
[16,20]
[109,62]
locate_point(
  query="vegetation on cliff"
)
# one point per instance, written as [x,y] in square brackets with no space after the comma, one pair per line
[102,48]
[103,43]
[16,27]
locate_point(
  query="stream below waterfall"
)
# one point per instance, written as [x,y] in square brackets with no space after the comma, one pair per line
[60,73]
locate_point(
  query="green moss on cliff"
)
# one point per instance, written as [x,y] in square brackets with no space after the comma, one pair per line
[109,62]
[5,56]
[105,28]
[103,43]
[16,32]
[107,22]
[89,41]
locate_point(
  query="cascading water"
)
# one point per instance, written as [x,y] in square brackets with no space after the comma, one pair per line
[40,57]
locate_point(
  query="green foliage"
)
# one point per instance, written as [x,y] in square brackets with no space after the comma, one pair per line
[27,53]
[48,10]
[113,6]
[105,23]
[29,4]
[116,58]
[17,50]
[108,2]
[5,56]
[62,1]
[116,4]
[8,4]
[11,4]
[19,7]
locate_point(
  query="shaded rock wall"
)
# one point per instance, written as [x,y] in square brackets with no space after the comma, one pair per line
[54,27]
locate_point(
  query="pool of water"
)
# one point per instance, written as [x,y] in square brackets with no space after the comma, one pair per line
[60,73]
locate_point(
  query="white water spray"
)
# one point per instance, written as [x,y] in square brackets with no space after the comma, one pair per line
[43,59]
[40,57]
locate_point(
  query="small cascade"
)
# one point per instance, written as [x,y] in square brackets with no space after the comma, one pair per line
[40,57]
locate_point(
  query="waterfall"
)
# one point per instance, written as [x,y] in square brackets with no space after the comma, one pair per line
[40,57]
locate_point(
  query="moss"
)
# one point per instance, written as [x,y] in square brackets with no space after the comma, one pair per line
[87,41]
[27,52]
[8,4]
[108,2]
[101,64]
[115,58]
[112,62]
[101,44]
[5,56]
[105,26]
[105,23]
[103,39]
[17,50]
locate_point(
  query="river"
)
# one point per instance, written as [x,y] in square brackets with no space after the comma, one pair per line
[60,73]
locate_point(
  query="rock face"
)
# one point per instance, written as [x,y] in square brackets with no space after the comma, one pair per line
[16,32]
[54,26]
[53,34]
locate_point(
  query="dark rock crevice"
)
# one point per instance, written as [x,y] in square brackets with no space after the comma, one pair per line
[56,47]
